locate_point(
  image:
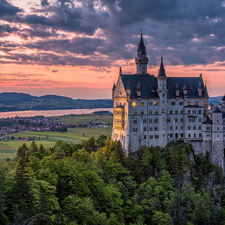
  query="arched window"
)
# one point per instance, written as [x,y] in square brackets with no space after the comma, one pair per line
[189,111]
[150,112]
[156,121]
[144,120]
[142,112]
[144,129]
[194,128]
[189,127]
[195,135]
[199,127]
[150,120]
[189,135]
[135,112]
[163,111]
[176,120]
[200,111]
[168,120]
[200,135]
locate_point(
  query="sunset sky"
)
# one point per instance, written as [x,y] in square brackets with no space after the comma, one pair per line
[74,47]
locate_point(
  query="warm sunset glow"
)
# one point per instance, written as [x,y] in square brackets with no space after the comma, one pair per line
[45,49]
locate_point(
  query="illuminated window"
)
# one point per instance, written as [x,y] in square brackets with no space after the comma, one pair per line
[163,111]
[196,103]
[155,103]
[135,112]
[155,112]
[163,119]
[142,103]
[188,103]
[135,129]
[142,112]
[134,104]
[163,127]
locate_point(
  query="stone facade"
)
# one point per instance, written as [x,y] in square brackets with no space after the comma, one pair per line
[153,111]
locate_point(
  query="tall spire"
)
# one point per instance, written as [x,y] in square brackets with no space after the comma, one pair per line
[141,45]
[162,70]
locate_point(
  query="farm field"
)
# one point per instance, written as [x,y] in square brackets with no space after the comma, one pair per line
[48,139]
[84,118]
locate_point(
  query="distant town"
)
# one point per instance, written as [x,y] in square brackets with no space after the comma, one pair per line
[13,125]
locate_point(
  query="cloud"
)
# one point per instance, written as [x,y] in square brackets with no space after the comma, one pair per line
[8,9]
[54,71]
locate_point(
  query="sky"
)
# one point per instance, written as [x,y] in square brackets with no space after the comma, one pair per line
[74,48]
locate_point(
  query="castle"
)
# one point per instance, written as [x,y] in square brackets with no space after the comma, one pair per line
[153,111]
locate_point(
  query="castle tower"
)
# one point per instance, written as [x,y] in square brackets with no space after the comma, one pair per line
[141,59]
[162,106]
[217,138]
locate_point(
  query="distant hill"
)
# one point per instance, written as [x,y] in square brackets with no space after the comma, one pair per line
[215,100]
[19,101]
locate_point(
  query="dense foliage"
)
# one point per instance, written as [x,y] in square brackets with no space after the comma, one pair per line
[96,182]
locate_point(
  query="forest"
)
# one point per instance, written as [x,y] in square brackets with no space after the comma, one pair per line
[96,183]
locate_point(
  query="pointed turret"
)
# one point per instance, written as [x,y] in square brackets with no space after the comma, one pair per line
[114,86]
[141,59]
[223,101]
[205,91]
[162,70]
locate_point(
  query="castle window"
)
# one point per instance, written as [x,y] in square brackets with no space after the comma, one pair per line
[199,127]
[163,119]
[156,136]
[171,135]
[151,136]
[189,127]
[156,128]
[218,121]
[181,128]
[163,127]
[208,135]
[144,136]
[142,103]
[155,103]
[194,135]
[207,128]
[163,111]
[142,112]
[218,128]
[168,120]
[182,135]
[188,103]
[144,121]
[171,112]
[150,129]
[150,112]
[135,129]
[176,127]
[155,112]
[135,112]
[180,103]
[150,120]
[120,93]
[173,103]
[145,129]
[134,121]
[171,128]
[200,135]
[181,111]
[116,103]
[196,103]
[218,136]
[156,121]
[176,120]
[199,120]
[181,120]
[176,112]
[189,135]
[194,128]
[150,103]
[134,104]
[189,111]
[200,111]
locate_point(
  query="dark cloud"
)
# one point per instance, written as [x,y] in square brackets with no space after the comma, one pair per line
[185,32]
[8,9]
[54,71]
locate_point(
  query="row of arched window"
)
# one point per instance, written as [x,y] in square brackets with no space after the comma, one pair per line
[194,127]
[194,111]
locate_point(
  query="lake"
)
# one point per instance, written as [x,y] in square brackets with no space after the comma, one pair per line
[51,112]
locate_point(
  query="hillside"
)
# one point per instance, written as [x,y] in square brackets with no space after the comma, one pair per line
[20,101]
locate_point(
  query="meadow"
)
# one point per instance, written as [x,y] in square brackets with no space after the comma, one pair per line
[9,148]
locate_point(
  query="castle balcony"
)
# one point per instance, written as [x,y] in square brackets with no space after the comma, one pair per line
[119,117]
[191,115]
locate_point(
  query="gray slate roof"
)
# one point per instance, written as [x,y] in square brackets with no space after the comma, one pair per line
[208,121]
[148,84]
[141,46]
